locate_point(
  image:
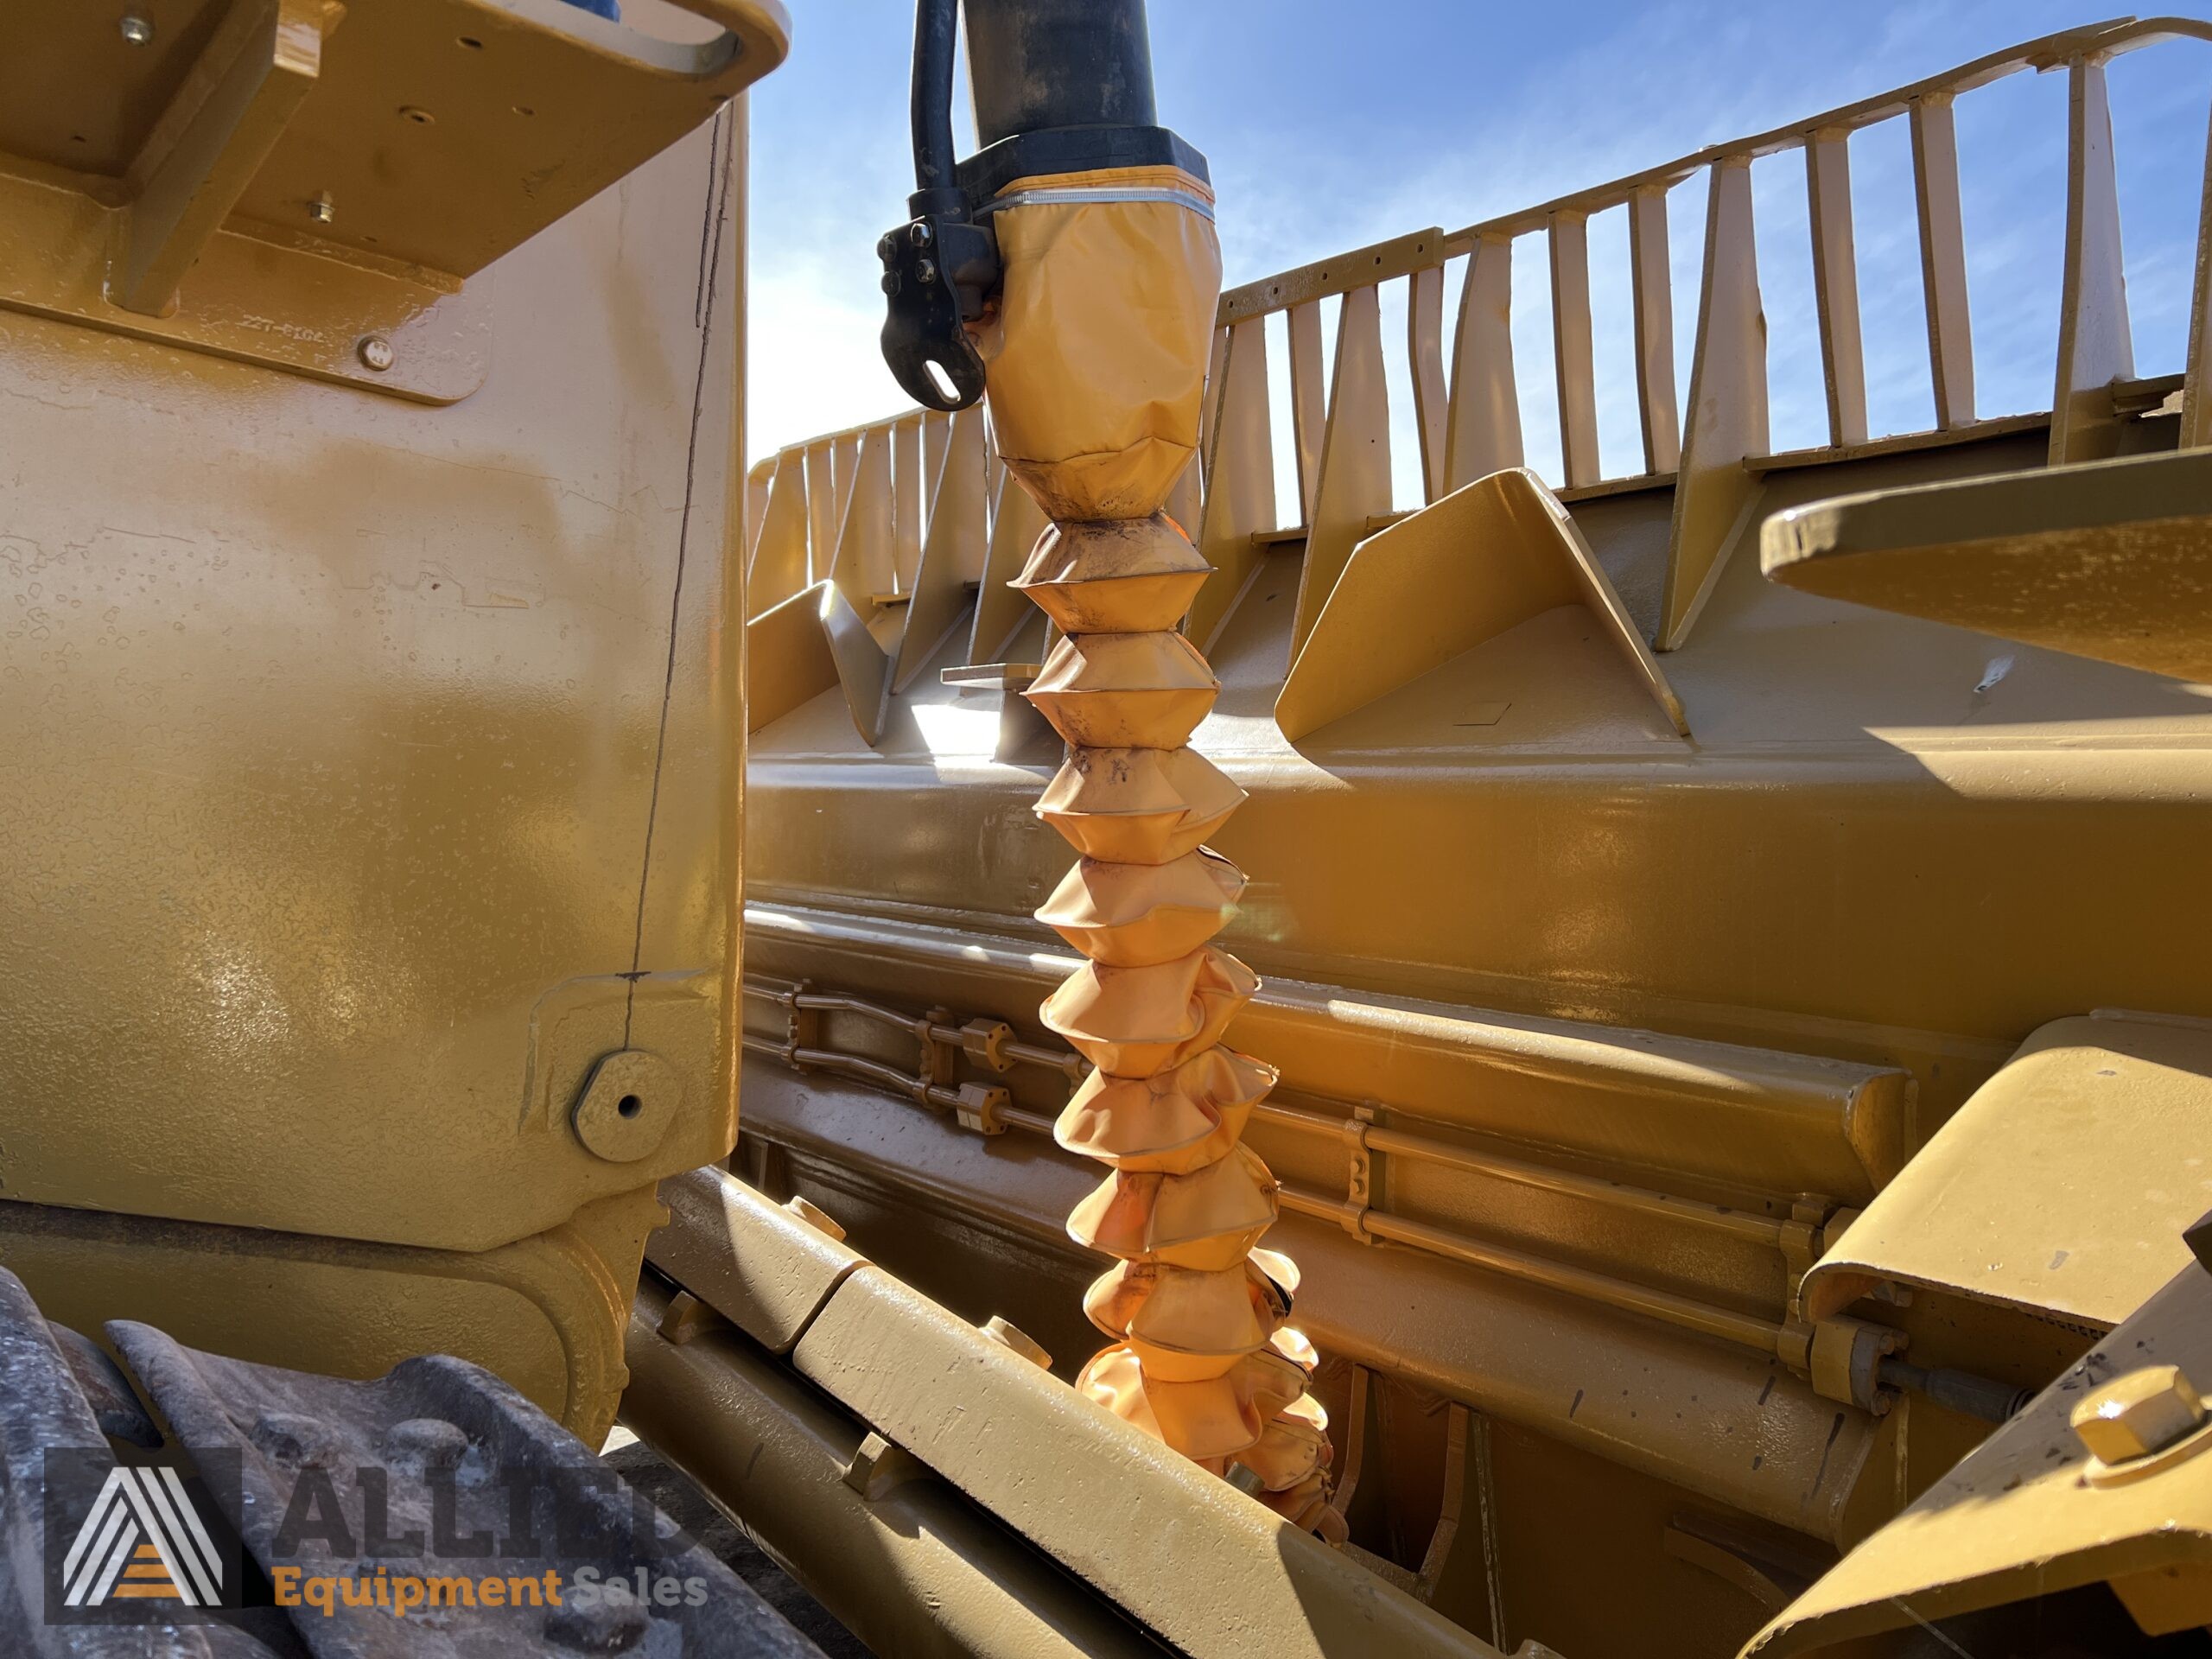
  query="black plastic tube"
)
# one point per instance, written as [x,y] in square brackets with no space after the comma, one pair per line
[935,28]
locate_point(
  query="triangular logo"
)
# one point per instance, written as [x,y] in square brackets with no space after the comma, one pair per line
[143,1540]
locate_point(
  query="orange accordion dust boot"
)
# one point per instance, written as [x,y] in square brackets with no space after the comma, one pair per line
[1095,363]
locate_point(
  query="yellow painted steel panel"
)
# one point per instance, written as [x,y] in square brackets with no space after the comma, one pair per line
[343,729]
[2060,1188]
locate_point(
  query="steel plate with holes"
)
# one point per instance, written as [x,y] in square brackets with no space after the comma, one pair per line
[307,185]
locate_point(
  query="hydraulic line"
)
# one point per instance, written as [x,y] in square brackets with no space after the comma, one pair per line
[936,24]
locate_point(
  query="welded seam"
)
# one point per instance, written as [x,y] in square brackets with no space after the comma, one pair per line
[716,216]
[707,223]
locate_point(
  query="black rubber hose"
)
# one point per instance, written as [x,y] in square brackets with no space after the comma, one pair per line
[935,28]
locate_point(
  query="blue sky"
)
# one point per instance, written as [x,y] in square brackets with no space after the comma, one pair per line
[1331,125]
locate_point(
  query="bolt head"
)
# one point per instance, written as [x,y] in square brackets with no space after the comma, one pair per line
[926,269]
[813,1216]
[891,282]
[1246,1479]
[135,30]
[1011,1336]
[886,247]
[376,352]
[2134,1416]
[920,234]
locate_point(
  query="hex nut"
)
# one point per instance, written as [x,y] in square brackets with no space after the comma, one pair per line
[687,1316]
[628,1106]
[2138,1414]
[878,1468]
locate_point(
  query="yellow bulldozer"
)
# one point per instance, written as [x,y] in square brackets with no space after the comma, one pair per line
[1114,1041]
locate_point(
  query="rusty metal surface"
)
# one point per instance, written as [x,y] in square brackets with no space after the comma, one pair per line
[436,1474]
[45,1407]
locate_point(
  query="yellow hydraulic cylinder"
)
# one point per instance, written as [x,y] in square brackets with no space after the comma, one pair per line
[1096,365]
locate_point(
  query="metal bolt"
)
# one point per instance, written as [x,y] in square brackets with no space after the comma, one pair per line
[886,247]
[322,209]
[687,1316]
[1246,1479]
[420,1444]
[890,282]
[376,352]
[919,234]
[298,1441]
[813,1218]
[135,30]
[926,269]
[878,1468]
[2137,1414]
[1013,1337]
